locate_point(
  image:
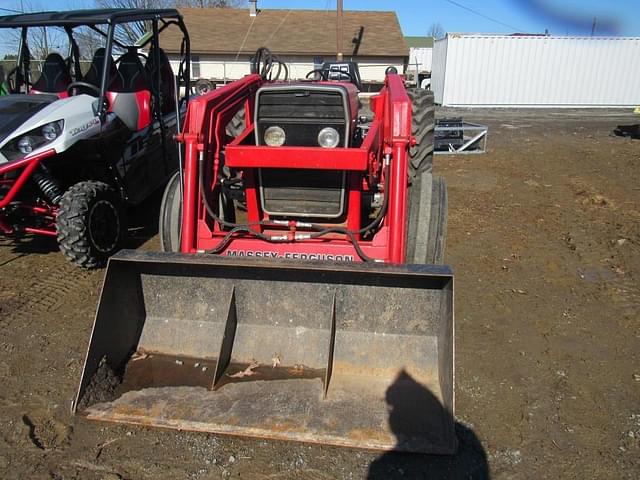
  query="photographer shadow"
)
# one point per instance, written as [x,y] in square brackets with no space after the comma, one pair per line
[416,413]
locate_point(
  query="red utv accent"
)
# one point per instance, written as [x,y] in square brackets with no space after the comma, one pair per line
[129,94]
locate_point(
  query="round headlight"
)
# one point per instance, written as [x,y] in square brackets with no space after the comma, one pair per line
[328,137]
[274,136]
[51,131]
[26,144]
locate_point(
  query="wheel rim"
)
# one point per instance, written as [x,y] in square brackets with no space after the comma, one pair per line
[104,226]
[202,88]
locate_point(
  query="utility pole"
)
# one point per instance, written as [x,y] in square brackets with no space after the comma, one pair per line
[593,26]
[339,32]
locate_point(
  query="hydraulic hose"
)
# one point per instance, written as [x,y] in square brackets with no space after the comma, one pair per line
[321,230]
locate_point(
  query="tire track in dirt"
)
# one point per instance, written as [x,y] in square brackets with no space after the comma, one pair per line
[54,284]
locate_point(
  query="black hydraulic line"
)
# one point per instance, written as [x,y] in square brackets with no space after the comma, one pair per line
[321,229]
[262,64]
[213,215]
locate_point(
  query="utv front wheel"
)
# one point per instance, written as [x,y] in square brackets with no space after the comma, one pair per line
[91,224]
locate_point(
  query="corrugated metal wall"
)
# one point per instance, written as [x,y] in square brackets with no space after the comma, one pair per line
[438,65]
[536,71]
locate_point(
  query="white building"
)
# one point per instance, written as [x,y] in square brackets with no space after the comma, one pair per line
[536,71]
[420,55]
[224,39]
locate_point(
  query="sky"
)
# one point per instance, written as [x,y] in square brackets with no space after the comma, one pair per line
[559,17]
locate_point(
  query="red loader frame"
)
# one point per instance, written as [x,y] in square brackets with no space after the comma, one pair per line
[380,161]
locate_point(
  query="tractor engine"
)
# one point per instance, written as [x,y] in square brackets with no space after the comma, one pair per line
[305,115]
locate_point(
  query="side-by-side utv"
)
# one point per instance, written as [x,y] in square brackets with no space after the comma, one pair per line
[77,148]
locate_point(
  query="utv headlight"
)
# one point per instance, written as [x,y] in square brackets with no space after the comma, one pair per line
[32,140]
[26,144]
[328,137]
[274,136]
[52,130]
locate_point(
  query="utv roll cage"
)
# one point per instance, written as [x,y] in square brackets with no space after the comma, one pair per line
[96,20]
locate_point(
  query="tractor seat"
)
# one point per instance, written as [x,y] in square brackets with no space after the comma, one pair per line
[55,77]
[130,94]
[94,74]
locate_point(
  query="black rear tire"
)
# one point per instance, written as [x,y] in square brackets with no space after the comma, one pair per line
[91,224]
[427,224]
[422,128]
[171,216]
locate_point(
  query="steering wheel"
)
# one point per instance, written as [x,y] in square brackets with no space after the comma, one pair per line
[90,86]
[324,75]
[313,72]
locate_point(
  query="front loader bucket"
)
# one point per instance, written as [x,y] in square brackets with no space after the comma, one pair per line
[339,353]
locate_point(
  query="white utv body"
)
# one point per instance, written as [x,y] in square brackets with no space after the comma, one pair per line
[77,148]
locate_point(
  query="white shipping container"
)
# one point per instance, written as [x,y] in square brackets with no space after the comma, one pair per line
[536,71]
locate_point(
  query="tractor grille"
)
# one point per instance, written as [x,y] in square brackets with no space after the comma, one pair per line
[302,111]
[302,193]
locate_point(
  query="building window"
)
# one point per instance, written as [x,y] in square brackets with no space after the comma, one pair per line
[195,66]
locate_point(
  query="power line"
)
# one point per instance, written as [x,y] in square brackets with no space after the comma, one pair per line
[464,7]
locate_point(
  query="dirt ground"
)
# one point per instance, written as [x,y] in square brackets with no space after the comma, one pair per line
[544,239]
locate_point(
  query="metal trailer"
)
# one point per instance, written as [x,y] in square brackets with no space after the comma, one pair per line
[479,70]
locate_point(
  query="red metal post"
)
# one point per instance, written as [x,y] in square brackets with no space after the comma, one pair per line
[189,194]
[397,137]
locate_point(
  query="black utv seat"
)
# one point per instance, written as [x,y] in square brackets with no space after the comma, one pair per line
[166,88]
[130,94]
[55,77]
[94,74]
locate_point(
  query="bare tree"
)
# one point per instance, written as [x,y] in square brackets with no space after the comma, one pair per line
[210,3]
[436,30]
[128,34]
[41,41]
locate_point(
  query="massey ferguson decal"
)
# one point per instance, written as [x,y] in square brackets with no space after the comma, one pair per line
[292,255]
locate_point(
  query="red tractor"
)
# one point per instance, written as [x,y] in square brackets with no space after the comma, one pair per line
[302,295]
[310,177]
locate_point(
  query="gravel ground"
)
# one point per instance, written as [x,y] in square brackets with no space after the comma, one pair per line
[544,239]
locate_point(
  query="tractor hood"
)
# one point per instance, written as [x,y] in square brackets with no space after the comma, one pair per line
[17,109]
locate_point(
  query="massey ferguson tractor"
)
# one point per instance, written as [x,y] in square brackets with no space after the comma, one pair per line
[78,147]
[301,293]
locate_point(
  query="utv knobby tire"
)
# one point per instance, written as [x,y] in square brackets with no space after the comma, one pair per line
[171,216]
[91,223]
[427,224]
[422,128]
